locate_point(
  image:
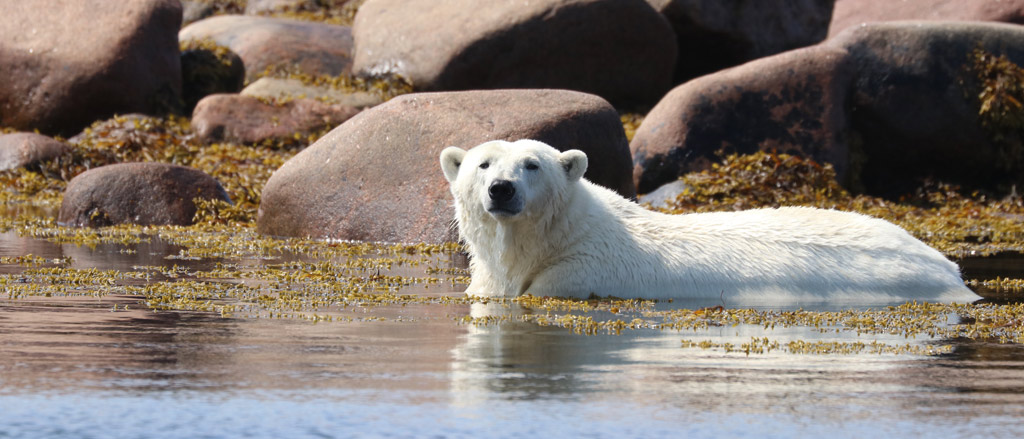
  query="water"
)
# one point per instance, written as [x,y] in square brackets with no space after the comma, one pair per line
[110,367]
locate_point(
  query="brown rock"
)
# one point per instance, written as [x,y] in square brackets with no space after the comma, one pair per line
[377,177]
[262,42]
[288,88]
[792,103]
[139,193]
[621,50]
[25,149]
[245,119]
[715,34]
[850,13]
[66,64]
[891,105]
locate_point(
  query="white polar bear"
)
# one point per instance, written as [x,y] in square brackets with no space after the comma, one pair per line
[533,225]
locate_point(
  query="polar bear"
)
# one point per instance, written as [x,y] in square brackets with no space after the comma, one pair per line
[533,225]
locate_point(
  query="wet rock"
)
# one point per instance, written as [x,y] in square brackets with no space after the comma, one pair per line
[246,119]
[850,13]
[66,64]
[715,34]
[25,149]
[139,193]
[262,42]
[792,103]
[207,70]
[286,88]
[621,50]
[377,177]
[890,105]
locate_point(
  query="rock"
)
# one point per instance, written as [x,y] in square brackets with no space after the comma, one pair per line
[254,7]
[663,195]
[286,88]
[66,64]
[715,34]
[139,193]
[26,149]
[246,119]
[377,177]
[792,102]
[889,105]
[208,70]
[621,50]
[262,42]
[849,13]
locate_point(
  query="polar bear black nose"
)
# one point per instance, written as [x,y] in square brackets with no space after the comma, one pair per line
[501,190]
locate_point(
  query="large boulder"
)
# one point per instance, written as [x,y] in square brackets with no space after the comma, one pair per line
[622,50]
[889,104]
[849,13]
[715,34]
[138,193]
[377,177]
[25,149]
[262,42]
[66,64]
[246,119]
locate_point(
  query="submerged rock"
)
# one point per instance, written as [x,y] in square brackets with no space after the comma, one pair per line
[890,105]
[262,42]
[377,177]
[138,193]
[66,64]
[246,119]
[715,34]
[621,50]
[25,149]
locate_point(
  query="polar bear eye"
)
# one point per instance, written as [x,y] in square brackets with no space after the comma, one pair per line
[484,165]
[532,166]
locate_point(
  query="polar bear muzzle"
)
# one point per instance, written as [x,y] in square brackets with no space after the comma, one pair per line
[503,199]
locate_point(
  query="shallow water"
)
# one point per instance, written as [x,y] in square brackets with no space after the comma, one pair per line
[110,367]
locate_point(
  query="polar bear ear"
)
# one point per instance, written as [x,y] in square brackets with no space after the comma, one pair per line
[451,159]
[574,162]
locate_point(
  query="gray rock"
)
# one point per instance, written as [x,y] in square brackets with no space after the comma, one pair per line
[377,177]
[25,149]
[849,13]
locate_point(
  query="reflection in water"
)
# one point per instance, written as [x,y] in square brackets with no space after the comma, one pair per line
[109,367]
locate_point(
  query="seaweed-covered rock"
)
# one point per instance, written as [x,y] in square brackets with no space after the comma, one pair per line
[262,42]
[66,64]
[622,50]
[377,176]
[715,34]
[207,69]
[849,13]
[889,104]
[793,103]
[246,119]
[140,193]
[24,149]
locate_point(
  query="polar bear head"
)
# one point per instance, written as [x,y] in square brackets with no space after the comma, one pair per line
[511,180]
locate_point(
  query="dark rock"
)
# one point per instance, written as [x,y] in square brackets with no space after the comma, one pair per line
[209,70]
[621,50]
[66,64]
[139,193]
[262,42]
[890,105]
[377,177]
[850,13]
[245,119]
[792,103]
[25,149]
[715,34]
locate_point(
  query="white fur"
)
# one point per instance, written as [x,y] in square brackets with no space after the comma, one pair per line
[573,238]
